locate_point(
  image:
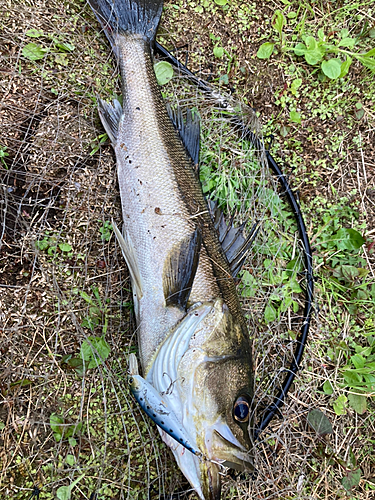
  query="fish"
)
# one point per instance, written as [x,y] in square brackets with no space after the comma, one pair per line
[194,344]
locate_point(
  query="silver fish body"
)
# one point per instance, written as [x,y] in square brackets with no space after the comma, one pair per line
[177,265]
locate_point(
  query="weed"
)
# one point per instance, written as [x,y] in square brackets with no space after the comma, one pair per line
[3,155]
[317,51]
[106,230]
[98,142]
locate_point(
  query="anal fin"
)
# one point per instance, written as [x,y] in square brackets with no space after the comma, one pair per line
[179,270]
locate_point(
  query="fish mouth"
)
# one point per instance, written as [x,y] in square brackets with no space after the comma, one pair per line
[221,452]
[225,449]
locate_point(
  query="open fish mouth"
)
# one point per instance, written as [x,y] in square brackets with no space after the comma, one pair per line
[229,454]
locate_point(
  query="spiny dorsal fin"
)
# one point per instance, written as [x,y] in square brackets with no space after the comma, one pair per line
[234,244]
[188,130]
[110,117]
[180,268]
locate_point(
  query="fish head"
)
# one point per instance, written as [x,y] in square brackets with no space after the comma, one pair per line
[216,386]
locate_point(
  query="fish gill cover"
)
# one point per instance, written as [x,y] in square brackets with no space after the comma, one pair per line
[69,426]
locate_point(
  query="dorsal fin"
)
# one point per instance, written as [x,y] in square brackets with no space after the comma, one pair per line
[234,243]
[189,131]
[180,268]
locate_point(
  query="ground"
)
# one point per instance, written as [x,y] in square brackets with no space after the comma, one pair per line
[65,414]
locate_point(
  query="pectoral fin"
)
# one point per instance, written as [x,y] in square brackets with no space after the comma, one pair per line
[130,257]
[179,270]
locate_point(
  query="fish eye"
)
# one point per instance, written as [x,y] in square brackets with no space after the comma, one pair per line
[241,410]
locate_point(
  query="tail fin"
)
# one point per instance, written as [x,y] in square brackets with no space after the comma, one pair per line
[128,16]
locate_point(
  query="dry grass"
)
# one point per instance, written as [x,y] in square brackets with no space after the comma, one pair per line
[54,191]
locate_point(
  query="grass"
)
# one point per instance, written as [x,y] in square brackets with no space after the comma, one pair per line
[65,412]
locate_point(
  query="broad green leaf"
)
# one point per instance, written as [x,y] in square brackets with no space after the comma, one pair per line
[339,405]
[351,479]
[163,72]
[327,388]
[56,424]
[34,33]
[345,66]
[295,117]
[367,61]
[221,2]
[369,53]
[332,68]
[294,285]
[65,46]
[358,403]
[313,57]
[265,50]
[300,49]
[70,430]
[350,273]
[319,422]
[349,239]
[33,52]
[65,247]
[218,52]
[362,295]
[72,442]
[70,459]
[344,33]
[352,378]
[347,42]
[65,492]
[278,21]
[310,43]
[89,348]
[358,360]
[314,52]
[42,244]
[296,84]
[270,313]
[224,79]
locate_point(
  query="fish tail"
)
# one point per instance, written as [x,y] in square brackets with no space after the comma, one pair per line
[120,17]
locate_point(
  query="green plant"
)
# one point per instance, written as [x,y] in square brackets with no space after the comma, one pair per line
[59,48]
[65,492]
[63,430]
[106,230]
[97,142]
[318,51]
[3,154]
